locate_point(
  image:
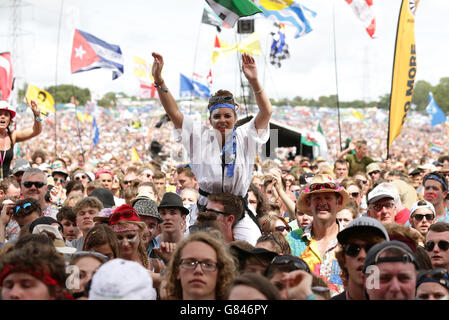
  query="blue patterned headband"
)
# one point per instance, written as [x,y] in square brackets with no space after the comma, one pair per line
[221,105]
[436,178]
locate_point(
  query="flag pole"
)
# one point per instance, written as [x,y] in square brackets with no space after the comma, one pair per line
[56,76]
[336,73]
[194,62]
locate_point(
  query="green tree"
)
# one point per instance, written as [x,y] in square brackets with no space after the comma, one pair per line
[441,94]
[63,93]
[108,100]
[421,94]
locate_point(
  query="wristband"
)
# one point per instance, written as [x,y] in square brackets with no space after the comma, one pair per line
[158,86]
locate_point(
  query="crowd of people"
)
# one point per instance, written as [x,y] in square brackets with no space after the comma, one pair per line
[217,222]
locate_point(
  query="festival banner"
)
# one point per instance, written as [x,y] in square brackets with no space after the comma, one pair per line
[404,70]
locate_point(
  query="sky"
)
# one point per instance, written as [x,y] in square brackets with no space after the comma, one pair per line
[173,28]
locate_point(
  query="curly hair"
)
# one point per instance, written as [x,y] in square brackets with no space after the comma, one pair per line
[225,263]
[36,254]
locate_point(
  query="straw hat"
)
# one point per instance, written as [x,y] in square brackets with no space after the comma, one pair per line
[330,185]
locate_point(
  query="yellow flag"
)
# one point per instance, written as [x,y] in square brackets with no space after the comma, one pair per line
[250,45]
[142,70]
[404,70]
[84,117]
[44,99]
[222,48]
[357,114]
[134,155]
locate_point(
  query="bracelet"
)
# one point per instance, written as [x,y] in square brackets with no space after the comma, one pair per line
[158,86]
[259,91]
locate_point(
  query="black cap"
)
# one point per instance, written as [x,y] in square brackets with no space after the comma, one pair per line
[45,220]
[362,225]
[105,196]
[372,257]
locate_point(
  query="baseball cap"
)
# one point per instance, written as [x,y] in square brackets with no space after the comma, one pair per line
[372,257]
[120,279]
[362,225]
[422,204]
[381,191]
[20,165]
[373,167]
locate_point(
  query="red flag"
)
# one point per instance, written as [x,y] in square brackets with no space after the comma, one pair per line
[82,53]
[209,77]
[363,10]
[6,77]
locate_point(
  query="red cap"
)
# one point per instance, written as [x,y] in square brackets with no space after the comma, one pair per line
[103,171]
[123,213]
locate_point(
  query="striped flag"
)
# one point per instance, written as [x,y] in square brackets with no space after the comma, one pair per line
[289,12]
[435,147]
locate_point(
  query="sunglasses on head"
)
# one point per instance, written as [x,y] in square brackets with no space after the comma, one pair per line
[298,263]
[37,184]
[216,211]
[221,98]
[419,217]
[353,250]
[269,236]
[437,273]
[24,206]
[282,228]
[116,217]
[320,186]
[442,244]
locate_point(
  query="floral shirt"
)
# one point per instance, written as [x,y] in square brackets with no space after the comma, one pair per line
[304,246]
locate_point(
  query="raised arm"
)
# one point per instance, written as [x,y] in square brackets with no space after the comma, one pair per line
[22,135]
[342,154]
[166,98]
[250,71]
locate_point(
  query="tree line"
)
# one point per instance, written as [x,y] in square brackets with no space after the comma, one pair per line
[63,94]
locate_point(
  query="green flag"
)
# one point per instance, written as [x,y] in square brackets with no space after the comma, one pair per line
[319,129]
[231,10]
[308,140]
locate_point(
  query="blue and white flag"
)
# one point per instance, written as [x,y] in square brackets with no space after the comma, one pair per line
[289,12]
[192,88]
[96,133]
[89,52]
[437,114]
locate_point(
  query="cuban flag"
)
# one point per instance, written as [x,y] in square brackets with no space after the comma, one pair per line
[189,87]
[89,52]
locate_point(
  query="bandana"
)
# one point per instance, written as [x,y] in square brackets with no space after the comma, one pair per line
[436,178]
[221,105]
[45,276]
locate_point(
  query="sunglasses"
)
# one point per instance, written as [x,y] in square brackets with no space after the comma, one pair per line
[221,98]
[78,178]
[128,181]
[354,194]
[298,263]
[282,228]
[379,206]
[419,217]
[353,250]
[59,180]
[37,184]
[362,181]
[374,172]
[24,206]
[320,186]
[442,244]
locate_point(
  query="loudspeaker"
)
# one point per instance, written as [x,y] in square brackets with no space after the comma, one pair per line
[245,26]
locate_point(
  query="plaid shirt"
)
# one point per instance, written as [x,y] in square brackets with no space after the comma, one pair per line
[304,245]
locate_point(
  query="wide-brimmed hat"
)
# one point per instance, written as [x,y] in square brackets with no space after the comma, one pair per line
[6,106]
[321,183]
[172,200]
